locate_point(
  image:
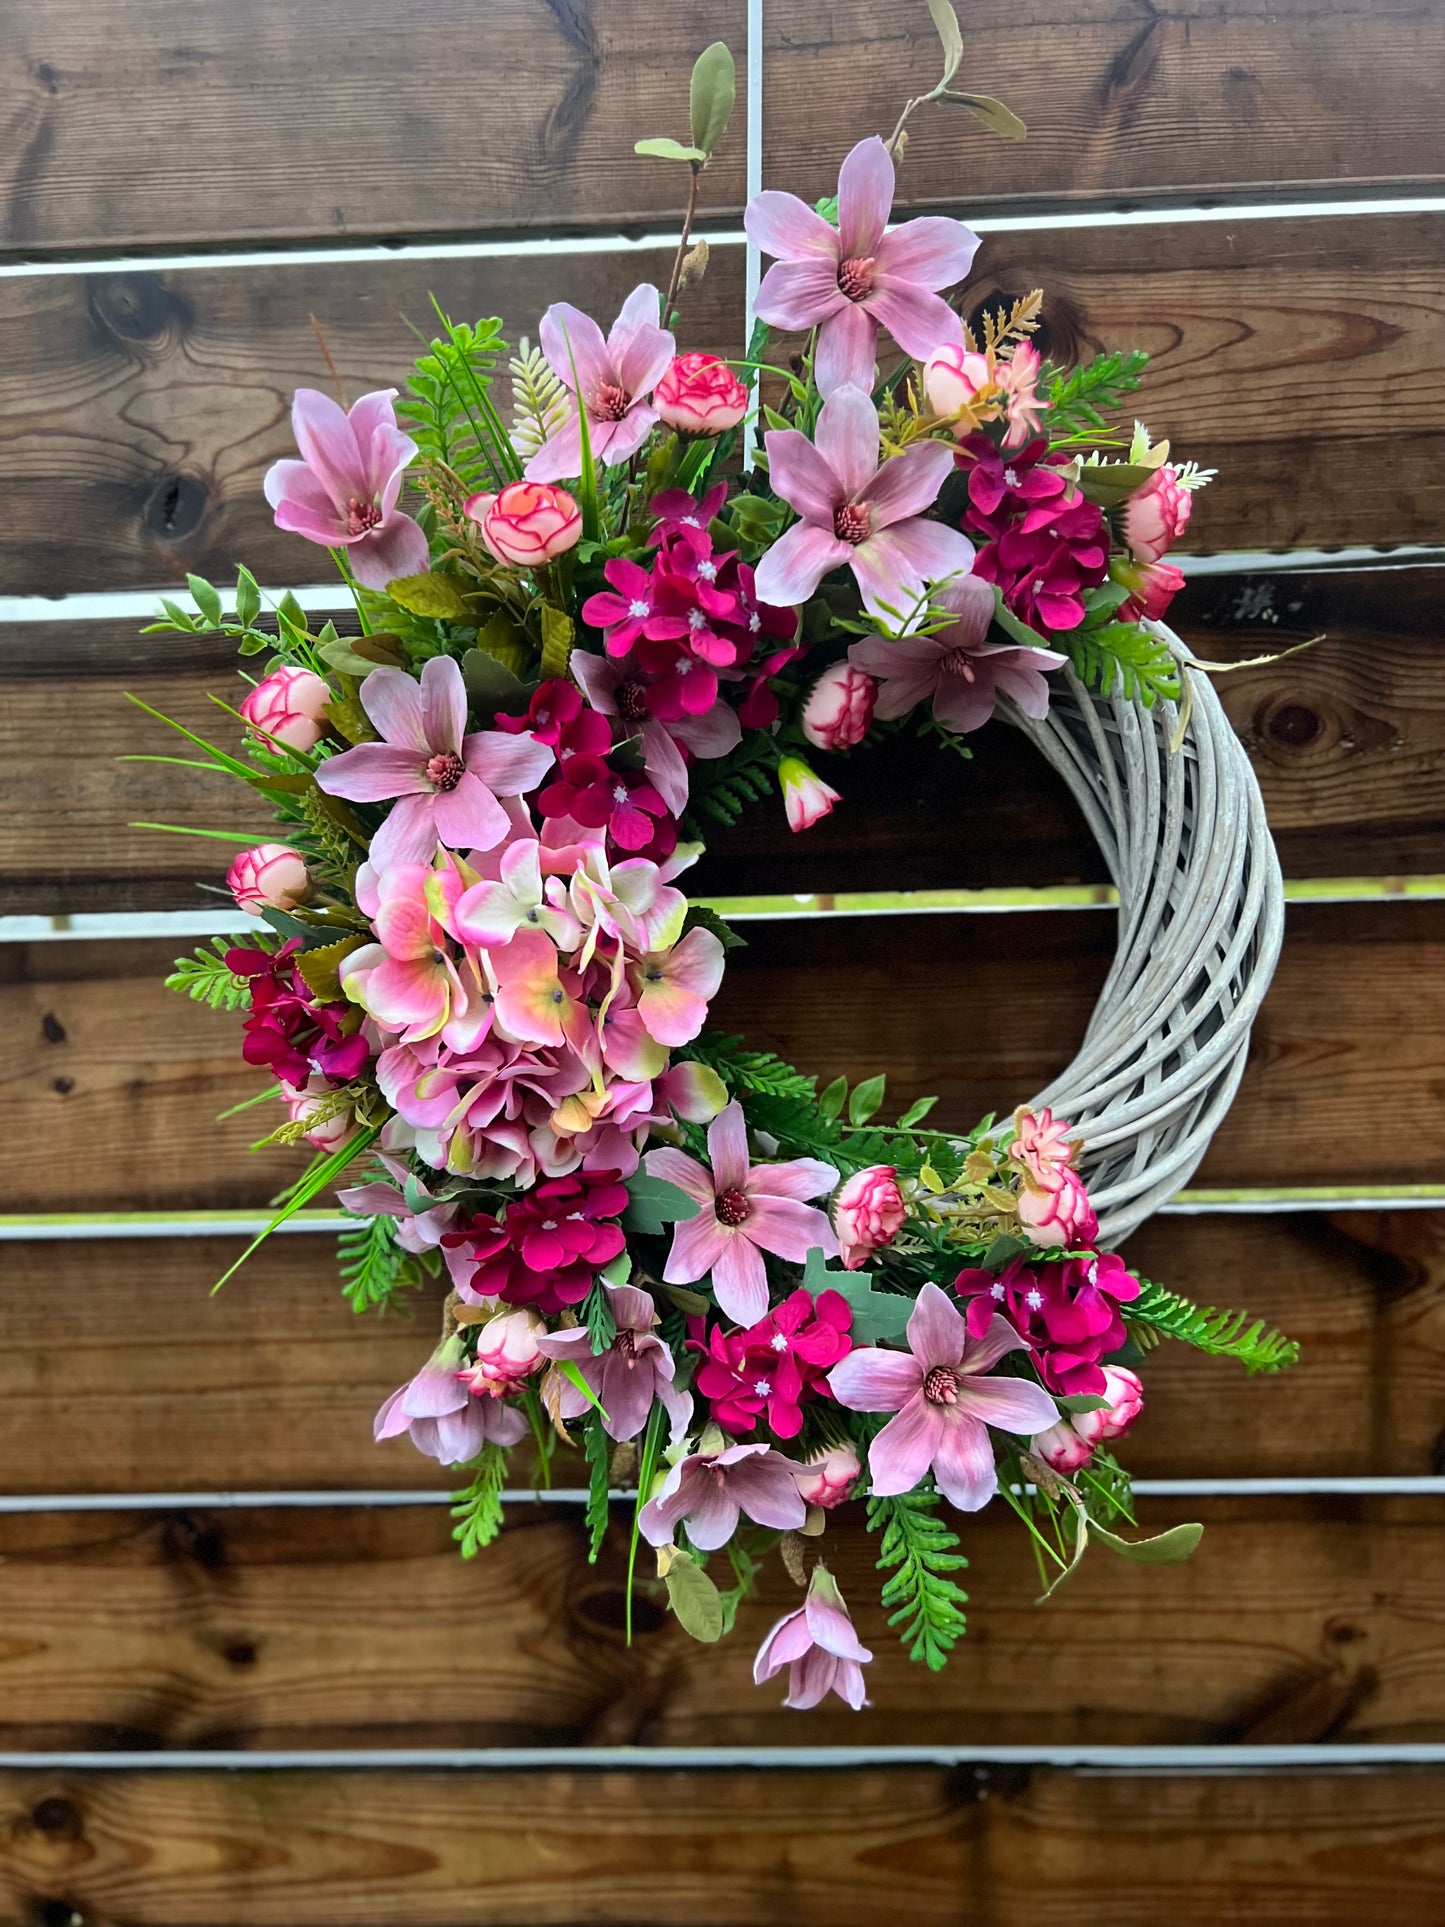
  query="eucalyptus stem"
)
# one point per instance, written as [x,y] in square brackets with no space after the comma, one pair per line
[695,177]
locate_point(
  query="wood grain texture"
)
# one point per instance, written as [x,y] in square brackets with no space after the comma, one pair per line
[272,1385]
[112,1076]
[1296,1620]
[1348,742]
[917,1846]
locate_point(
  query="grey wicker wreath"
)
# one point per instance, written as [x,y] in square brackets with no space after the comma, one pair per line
[1201,915]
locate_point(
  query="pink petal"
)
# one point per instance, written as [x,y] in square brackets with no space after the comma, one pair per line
[962,705]
[971,600]
[873,1380]
[865,199]
[368,413]
[847,435]
[933,252]
[639,346]
[908,668]
[626,1392]
[568,336]
[1024,680]
[917,320]
[712,734]
[833,1630]
[599,677]
[690,1177]
[936,1332]
[712,1518]
[997,1342]
[393,701]
[387,458]
[797,562]
[1009,1404]
[663,762]
[698,1246]
[904,1449]
[800,294]
[560,456]
[907,484]
[671,1014]
[739,1278]
[372,773]
[847,350]
[787,1641]
[405,992]
[443,704]
[789,1229]
[963,1464]
[727,1149]
[802,475]
[303,499]
[397,548]
[782,225]
[409,834]
[768,1493]
[470,817]
[328,444]
[613,442]
[697,964]
[800,1178]
[508,765]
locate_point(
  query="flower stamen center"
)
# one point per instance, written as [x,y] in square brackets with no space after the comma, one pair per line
[610,403]
[855,277]
[632,701]
[445,770]
[940,1387]
[853,522]
[958,662]
[361,516]
[732,1207]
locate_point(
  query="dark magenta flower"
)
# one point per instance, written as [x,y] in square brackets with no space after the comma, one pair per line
[592,793]
[774,1367]
[550,1244]
[1068,1313]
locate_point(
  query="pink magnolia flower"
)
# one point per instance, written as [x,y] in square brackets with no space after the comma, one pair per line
[444,1420]
[1058,1216]
[853,512]
[818,1646]
[610,379]
[1156,515]
[839,707]
[528,523]
[829,1476]
[289,707]
[944,1403]
[635,1370]
[448,782]
[807,799]
[712,1487]
[700,395]
[746,1209]
[269,877]
[868,1214]
[1071,1443]
[851,280]
[963,674]
[343,492]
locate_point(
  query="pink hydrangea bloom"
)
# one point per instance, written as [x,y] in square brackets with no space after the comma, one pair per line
[745,1210]
[1068,1314]
[852,280]
[448,781]
[635,1370]
[819,1647]
[343,492]
[611,380]
[944,1403]
[712,1487]
[855,514]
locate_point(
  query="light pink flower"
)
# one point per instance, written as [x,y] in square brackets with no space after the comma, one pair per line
[528,524]
[746,1209]
[1062,1448]
[448,782]
[700,395]
[613,378]
[335,1126]
[854,513]
[288,707]
[963,674]
[829,1476]
[818,1645]
[673,987]
[634,1371]
[444,1420]
[506,1351]
[1042,1146]
[807,799]
[1059,1215]
[868,1214]
[712,1487]
[344,490]
[1018,379]
[944,1403]
[839,707]
[269,877]
[493,911]
[1156,515]
[535,1004]
[952,377]
[408,980]
[1152,587]
[711,734]
[854,279]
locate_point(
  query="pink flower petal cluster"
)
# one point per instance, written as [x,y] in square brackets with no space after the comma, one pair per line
[839,709]
[343,493]
[852,280]
[610,381]
[776,1366]
[1156,515]
[444,1419]
[818,1646]
[1067,1313]
[716,1485]
[548,1245]
[528,524]
[807,799]
[744,1210]
[272,876]
[829,1476]
[289,707]
[287,1031]
[1072,1443]
[700,395]
[1049,541]
[635,1372]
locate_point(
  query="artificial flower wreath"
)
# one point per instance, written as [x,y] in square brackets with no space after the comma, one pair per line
[483,996]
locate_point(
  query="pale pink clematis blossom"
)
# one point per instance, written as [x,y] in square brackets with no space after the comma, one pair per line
[635,1369]
[611,378]
[819,1647]
[854,279]
[943,1401]
[344,490]
[746,1209]
[713,1486]
[855,514]
[443,1418]
[448,782]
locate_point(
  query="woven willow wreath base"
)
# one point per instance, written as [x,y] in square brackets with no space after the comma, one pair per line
[1201,914]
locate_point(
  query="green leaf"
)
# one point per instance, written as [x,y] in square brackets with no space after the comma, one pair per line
[573,1373]
[830,1101]
[711,95]
[207,978]
[206,598]
[558,630]
[663,149]
[321,966]
[927,1604]
[654,1204]
[916,1112]
[491,685]
[374,1268]
[1164,1549]
[1003,1251]
[997,118]
[478,1509]
[1080,1402]
[248,598]
[946,21]
[1221,1334]
[694,1598]
[879,1317]
[597,1449]
[700,917]
[866,1099]
[436,596]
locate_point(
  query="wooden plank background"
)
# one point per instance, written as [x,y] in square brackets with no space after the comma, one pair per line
[1287,280]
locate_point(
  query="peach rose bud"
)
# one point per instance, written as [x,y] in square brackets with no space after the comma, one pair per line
[289,707]
[269,877]
[829,1476]
[527,524]
[1156,515]
[700,395]
[952,376]
[868,1214]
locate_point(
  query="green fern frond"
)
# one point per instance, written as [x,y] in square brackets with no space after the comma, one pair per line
[927,1605]
[449,409]
[540,400]
[597,1449]
[478,1508]
[1123,658]
[724,789]
[207,978]
[1076,398]
[1222,1334]
[374,1268]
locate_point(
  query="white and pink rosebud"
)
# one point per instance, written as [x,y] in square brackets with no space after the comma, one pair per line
[839,708]
[952,377]
[700,395]
[289,707]
[1060,1216]
[1062,1448]
[829,1476]
[527,524]
[806,797]
[269,877]
[1070,1445]
[1156,515]
[868,1214]
[332,1127]
[506,1353]
[1152,587]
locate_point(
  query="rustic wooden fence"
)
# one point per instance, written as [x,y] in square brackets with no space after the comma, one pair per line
[293,1704]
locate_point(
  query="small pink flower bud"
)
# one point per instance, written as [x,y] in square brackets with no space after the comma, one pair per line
[700,395]
[868,1213]
[506,1354]
[1152,587]
[829,1476]
[289,707]
[1156,515]
[528,523]
[952,376]
[270,877]
[1062,1216]
[333,1130]
[806,797]
[839,707]
[1062,1448]
[1126,1401]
